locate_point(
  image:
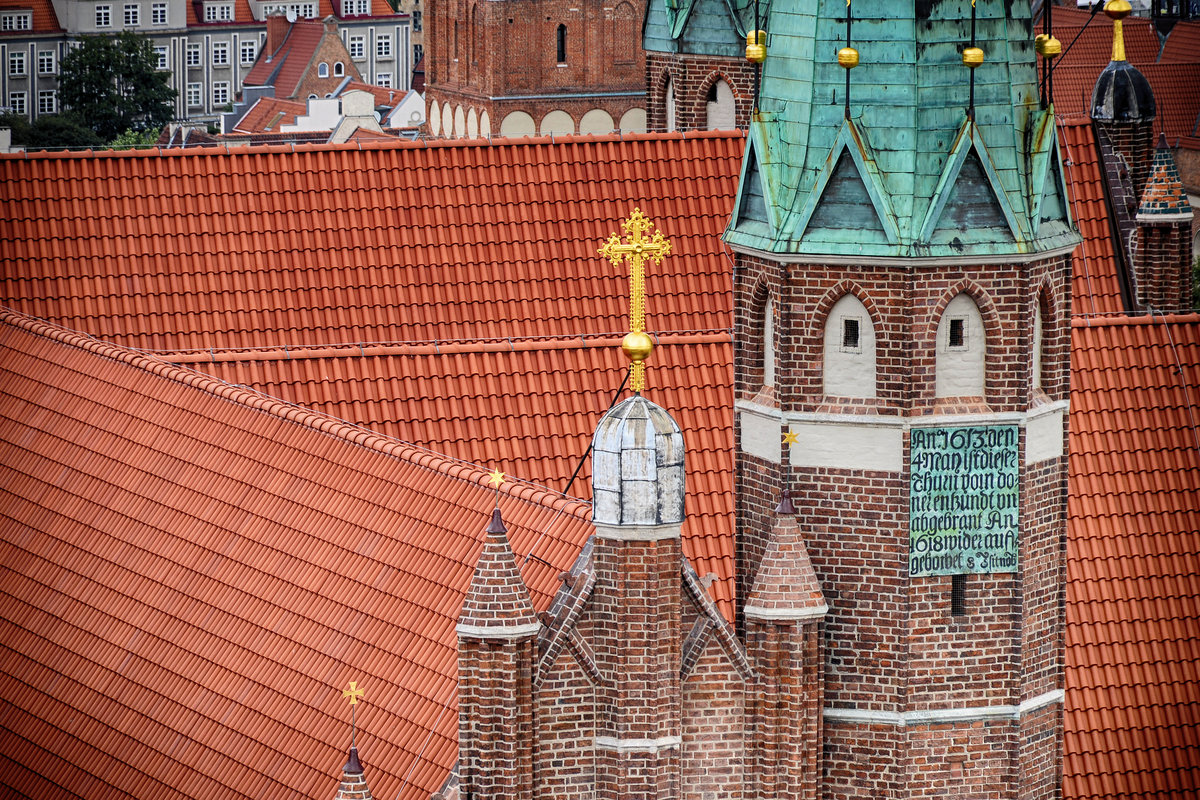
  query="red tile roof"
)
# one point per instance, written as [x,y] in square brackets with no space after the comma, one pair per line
[1095,286]
[193,572]
[286,67]
[1133,597]
[474,401]
[1176,94]
[201,249]
[43,19]
[268,114]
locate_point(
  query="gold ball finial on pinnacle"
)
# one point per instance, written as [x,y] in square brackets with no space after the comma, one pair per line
[848,58]
[1118,9]
[972,57]
[637,345]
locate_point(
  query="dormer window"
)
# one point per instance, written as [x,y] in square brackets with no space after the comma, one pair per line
[218,12]
[16,21]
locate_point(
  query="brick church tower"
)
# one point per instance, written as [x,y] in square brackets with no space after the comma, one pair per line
[902,296]
[525,67]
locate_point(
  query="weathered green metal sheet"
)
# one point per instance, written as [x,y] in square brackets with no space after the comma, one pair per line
[909,99]
[701,27]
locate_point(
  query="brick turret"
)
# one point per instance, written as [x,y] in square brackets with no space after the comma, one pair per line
[638,489]
[354,781]
[497,631]
[1163,253]
[784,613]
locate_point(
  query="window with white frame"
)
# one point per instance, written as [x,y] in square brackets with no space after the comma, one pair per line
[220,54]
[16,21]
[158,13]
[383,45]
[356,8]
[339,69]
[161,54]
[194,95]
[383,79]
[46,62]
[47,101]
[220,93]
[323,70]
[358,47]
[16,62]
[416,21]
[17,102]
[249,51]
[133,15]
[104,16]
[193,55]
[218,12]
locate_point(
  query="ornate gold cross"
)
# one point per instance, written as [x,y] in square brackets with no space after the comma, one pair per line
[353,693]
[636,250]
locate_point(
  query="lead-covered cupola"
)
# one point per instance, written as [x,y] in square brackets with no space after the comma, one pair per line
[897,129]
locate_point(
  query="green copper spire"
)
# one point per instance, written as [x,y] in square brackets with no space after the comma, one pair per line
[909,173]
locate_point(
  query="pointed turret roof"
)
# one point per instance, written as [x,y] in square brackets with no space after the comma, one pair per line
[1164,198]
[497,604]
[786,586]
[354,782]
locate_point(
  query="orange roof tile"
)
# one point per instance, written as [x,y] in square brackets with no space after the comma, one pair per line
[286,67]
[1132,713]
[474,401]
[1176,94]
[43,19]
[204,249]
[193,572]
[268,114]
[1096,287]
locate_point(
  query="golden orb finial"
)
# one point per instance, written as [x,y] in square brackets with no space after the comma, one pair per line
[1118,9]
[972,57]
[756,47]
[1047,46]
[848,58]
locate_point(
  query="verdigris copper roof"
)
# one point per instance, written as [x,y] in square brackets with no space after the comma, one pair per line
[700,27]
[909,173]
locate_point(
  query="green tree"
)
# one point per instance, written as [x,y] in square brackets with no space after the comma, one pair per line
[113,83]
[51,131]
[133,140]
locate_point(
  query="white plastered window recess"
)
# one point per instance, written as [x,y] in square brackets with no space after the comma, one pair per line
[849,350]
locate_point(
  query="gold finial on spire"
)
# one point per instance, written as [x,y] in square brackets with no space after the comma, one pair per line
[1118,10]
[353,693]
[639,247]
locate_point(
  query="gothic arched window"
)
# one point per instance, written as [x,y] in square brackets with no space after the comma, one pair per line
[849,350]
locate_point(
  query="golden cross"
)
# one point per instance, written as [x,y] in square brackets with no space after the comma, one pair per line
[353,693]
[636,250]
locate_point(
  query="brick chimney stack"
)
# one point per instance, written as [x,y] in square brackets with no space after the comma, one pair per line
[277,31]
[784,616]
[497,632]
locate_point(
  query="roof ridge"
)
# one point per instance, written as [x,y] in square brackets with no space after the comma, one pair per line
[519,141]
[429,347]
[323,423]
[1157,318]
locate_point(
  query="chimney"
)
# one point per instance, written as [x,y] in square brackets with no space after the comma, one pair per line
[277,32]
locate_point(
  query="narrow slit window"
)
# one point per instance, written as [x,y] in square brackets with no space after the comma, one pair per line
[958,595]
[958,333]
[850,334]
[560,39]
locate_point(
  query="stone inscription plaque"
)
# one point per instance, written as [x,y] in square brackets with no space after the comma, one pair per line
[964,500]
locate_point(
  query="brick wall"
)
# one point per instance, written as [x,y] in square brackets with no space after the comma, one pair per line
[481,51]
[495,722]
[891,643]
[691,76]
[331,50]
[713,759]
[1162,257]
[564,759]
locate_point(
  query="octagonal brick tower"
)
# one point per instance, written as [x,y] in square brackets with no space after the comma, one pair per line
[902,303]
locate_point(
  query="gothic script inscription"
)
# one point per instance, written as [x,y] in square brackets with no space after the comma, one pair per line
[964,500]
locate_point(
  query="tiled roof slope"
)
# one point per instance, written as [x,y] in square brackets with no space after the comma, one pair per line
[44,20]
[191,574]
[203,249]
[1095,287]
[285,68]
[1133,597]
[525,407]
[268,114]
[1176,93]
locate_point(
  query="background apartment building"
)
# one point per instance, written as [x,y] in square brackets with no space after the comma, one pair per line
[207,46]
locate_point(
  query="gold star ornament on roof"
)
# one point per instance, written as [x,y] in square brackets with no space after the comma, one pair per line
[495,478]
[636,249]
